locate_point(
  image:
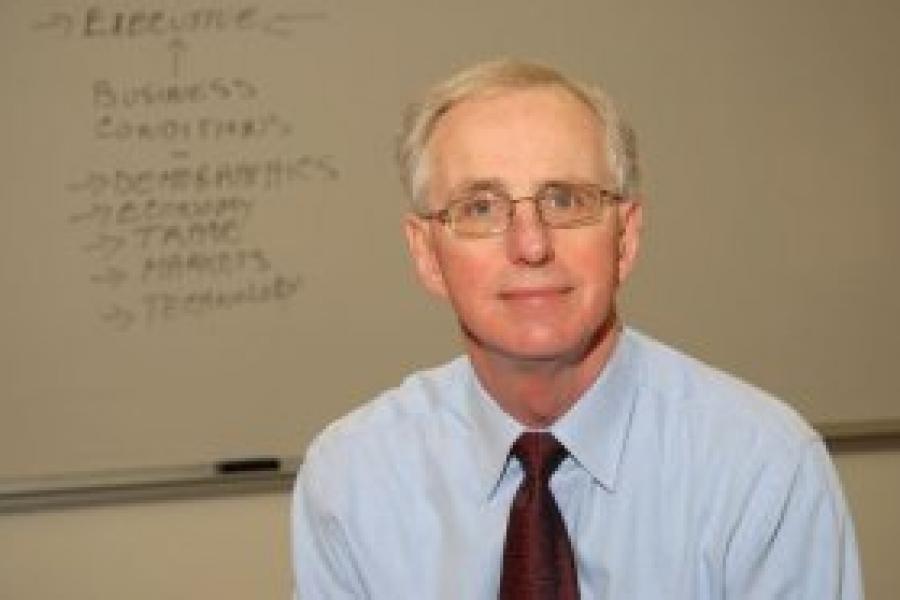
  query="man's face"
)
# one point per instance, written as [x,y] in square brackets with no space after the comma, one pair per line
[531,292]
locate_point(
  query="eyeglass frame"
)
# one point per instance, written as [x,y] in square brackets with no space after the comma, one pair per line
[605,196]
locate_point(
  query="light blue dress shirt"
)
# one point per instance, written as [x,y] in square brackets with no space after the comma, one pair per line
[683,483]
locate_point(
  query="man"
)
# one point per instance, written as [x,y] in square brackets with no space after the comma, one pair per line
[661,477]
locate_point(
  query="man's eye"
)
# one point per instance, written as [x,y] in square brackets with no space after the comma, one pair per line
[561,198]
[478,207]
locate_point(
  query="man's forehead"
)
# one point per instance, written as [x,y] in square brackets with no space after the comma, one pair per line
[493,104]
[545,133]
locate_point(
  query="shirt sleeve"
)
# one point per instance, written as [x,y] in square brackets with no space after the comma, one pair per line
[796,539]
[323,566]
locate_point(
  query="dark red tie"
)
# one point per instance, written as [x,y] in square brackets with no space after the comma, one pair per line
[538,562]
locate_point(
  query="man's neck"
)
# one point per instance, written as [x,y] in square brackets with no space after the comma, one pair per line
[536,392]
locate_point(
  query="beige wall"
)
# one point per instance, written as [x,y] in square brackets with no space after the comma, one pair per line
[236,548]
[872,483]
[226,548]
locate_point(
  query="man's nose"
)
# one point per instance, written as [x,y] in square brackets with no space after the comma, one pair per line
[528,238]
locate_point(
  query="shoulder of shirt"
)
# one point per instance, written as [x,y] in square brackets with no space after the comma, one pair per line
[675,381]
[750,456]
[422,401]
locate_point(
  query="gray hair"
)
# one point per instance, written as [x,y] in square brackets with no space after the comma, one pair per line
[496,76]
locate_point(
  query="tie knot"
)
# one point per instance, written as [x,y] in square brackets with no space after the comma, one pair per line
[540,454]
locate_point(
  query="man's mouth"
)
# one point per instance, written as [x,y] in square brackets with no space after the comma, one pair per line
[535,293]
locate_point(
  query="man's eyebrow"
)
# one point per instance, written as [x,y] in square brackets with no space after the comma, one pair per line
[497,185]
[477,185]
[576,181]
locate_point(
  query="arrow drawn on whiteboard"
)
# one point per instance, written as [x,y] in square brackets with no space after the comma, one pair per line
[100,212]
[56,20]
[177,47]
[113,277]
[94,184]
[281,24]
[106,245]
[118,317]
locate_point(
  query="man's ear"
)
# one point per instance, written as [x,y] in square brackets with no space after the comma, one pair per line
[420,244]
[631,218]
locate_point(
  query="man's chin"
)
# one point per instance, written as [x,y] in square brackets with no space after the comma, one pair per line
[538,345]
[527,349]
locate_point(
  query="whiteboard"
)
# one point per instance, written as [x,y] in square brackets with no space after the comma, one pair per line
[201,245]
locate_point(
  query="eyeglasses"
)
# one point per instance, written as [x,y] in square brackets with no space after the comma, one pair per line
[487,209]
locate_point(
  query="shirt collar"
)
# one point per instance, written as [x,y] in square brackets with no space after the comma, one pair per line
[594,430]
[494,432]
